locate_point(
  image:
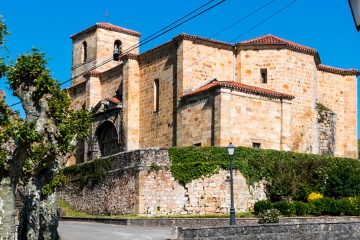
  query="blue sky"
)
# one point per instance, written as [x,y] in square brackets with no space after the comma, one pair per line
[327,26]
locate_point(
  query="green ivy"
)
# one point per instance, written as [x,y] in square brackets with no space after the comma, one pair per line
[87,174]
[289,176]
[58,181]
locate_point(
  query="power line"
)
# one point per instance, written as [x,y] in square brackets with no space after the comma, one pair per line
[160,34]
[256,25]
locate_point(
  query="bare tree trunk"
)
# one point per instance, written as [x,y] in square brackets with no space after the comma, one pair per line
[38,218]
[7,209]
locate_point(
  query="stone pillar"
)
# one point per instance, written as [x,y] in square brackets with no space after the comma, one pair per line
[285,125]
[131,96]
[350,116]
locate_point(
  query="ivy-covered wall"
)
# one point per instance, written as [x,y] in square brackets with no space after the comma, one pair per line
[144,182]
[195,180]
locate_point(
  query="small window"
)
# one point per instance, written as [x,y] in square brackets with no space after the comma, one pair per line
[84,51]
[197,144]
[156,95]
[256,145]
[263,73]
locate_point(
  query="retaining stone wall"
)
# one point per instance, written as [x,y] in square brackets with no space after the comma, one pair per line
[140,182]
[319,231]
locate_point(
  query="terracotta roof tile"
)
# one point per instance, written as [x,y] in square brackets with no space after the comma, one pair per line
[92,73]
[108,26]
[239,86]
[270,39]
[114,99]
[117,28]
[341,71]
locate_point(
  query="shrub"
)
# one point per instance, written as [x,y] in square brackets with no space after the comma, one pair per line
[262,206]
[285,208]
[270,216]
[313,196]
[302,209]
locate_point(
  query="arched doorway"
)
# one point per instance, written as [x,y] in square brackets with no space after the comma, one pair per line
[108,139]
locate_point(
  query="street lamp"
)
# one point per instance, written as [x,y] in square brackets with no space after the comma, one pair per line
[355,10]
[231,149]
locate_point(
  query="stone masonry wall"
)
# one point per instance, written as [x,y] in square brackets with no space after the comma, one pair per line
[338,93]
[289,72]
[157,127]
[309,231]
[141,183]
[246,119]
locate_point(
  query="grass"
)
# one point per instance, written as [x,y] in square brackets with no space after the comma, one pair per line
[70,211]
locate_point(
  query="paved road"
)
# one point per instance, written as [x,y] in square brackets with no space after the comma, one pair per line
[90,231]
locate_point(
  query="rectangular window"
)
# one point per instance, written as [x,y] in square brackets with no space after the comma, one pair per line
[263,73]
[256,145]
[156,95]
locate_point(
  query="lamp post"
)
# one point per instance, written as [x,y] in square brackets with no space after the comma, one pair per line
[355,10]
[231,149]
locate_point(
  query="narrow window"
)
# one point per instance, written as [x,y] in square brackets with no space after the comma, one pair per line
[156,95]
[263,73]
[197,144]
[84,51]
[256,145]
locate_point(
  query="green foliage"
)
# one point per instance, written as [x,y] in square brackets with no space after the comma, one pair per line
[194,162]
[3,33]
[286,208]
[302,209]
[343,178]
[29,70]
[88,174]
[269,216]
[290,176]
[262,206]
[58,181]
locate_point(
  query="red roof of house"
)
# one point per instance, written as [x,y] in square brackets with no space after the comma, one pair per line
[341,71]
[114,99]
[92,73]
[108,26]
[271,39]
[239,86]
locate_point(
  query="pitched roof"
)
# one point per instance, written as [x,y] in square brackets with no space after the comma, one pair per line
[240,87]
[92,73]
[271,39]
[340,71]
[113,99]
[107,26]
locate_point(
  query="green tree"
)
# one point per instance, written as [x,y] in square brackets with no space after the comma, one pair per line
[35,150]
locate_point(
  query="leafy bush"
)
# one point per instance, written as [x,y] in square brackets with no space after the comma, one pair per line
[290,176]
[262,206]
[302,209]
[269,216]
[285,208]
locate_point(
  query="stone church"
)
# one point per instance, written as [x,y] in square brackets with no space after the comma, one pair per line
[266,92]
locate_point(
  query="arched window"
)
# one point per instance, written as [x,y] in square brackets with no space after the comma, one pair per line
[118,46]
[117,49]
[84,51]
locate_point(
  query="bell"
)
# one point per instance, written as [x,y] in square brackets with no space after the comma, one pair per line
[116,54]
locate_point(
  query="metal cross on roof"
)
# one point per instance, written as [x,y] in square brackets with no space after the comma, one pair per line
[107,15]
